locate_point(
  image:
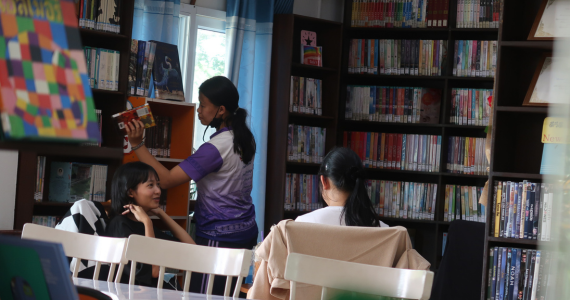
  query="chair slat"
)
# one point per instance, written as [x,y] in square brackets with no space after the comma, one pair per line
[228,286]
[97,270]
[210,286]
[120,273]
[161,277]
[187,281]
[238,286]
[133,272]
[111,272]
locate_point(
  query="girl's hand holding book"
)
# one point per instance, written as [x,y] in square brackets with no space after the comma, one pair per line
[135,130]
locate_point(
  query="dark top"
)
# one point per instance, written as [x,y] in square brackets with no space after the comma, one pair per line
[123,227]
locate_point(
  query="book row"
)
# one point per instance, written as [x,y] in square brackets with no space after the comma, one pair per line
[99,114]
[302,192]
[478,13]
[306,144]
[523,274]
[466,155]
[103,15]
[312,55]
[70,182]
[49,221]
[140,67]
[397,57]
[392,104]
[475,58]
[406,200]
[522,210]
[40,178]
[306,95]
[399,13]
[102,68]
[158,137]
[462,203]
[396,151]
[470,106]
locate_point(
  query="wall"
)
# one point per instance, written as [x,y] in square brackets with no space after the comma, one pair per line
[213,4]
[323,9]
[8,175]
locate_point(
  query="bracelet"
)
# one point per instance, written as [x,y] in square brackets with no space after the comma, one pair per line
[139,145]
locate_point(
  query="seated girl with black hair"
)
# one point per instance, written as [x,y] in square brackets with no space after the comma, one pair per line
[135,195]
[343,187]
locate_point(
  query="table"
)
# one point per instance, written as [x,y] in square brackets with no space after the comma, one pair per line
[120,291]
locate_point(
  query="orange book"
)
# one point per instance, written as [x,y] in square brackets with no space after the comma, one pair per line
[142,113]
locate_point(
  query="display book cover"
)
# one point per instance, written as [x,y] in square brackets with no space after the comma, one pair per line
[72,181]
[34,270]
[140,113]
[166,73]
[44,86]
[311,54]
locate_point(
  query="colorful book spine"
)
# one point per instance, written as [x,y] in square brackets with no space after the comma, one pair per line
[102,68]
[305,95]
[306,144]
[302,192]
[466,155]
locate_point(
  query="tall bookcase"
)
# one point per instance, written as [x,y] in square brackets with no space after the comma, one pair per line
[111,152]
[516,149]
[285,62]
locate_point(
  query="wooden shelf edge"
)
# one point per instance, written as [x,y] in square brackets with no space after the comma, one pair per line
[295,163]
[547,45]
[173,160]
[446,174]
[387,219]
[170,102]
[384,29]
[104,34]
[524,109]
[52,203]
[309,116]
[513,241]
[393,123]
[312,68]
[378,170]
[73,150]
[100,91]
[517,175]
[11,232]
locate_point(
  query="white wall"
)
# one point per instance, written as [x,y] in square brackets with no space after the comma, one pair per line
[213,4]
[8,177]
[322,9]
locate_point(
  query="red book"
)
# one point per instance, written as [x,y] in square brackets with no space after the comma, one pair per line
[389,150]
[391,106]
[141,113]
[445,12]
[399,151]
[345,139]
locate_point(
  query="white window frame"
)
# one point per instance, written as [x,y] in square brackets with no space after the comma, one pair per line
[200,18]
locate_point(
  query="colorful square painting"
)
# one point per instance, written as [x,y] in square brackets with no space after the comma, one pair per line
[44,88]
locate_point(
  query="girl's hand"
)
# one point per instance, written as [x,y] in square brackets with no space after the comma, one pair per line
[156,212]
[138,212]
[135,130]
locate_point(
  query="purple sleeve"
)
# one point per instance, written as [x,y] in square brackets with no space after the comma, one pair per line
[205,160]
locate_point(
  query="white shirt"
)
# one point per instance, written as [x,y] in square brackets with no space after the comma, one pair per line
[329,215]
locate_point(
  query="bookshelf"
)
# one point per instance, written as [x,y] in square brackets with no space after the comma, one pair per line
[285,62]
[182,114]
[516,127]
[111,152]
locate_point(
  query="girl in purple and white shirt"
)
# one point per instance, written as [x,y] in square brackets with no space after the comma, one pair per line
[222,169]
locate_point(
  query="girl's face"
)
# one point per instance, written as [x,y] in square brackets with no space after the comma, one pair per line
[207,110]
[147,194]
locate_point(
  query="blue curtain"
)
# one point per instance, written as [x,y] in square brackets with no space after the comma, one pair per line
[249,31]
[156,20]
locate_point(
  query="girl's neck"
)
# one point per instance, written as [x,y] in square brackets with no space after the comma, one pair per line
[337,198]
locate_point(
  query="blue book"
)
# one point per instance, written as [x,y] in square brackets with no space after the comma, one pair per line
[376,57]
[512,269]
[517,274]
[403,161]
[552,159]
[529,221]
[519,193]
[494,273]
[60,181]
[501,291]
[508,272]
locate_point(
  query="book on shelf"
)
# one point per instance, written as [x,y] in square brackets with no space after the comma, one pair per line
[404,200]
[99,114]
[462,203]
[466,155]
[40,178]
[141,64]
[103,68]
[395,151]
[393,104]
[140,113]
[443,243]
[399,13]
[306,95]
[71,181]
[302,192]
[470,106]
[522,210]
[478,13]
[397,57]
[518,273]
[158,137]
[166,72]
[49,221]
[45,93]
[306,144]
[474,58]
[102,15]
[312,55]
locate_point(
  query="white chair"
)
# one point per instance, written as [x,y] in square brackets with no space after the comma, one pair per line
[83,246]
[355,277]
[190,258]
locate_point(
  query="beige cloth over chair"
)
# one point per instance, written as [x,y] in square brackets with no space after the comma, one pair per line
[387,247]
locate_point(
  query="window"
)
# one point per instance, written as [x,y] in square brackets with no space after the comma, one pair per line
[202,45]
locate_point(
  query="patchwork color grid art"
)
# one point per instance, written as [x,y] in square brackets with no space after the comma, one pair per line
[44,88]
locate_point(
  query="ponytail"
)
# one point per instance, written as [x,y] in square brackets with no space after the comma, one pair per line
[344,168]
[244,142]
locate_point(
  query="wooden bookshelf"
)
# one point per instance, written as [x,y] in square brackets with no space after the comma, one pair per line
[111,152]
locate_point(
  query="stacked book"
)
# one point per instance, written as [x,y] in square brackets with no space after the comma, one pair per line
[103,15]
[306,95]
[475,58]
[406,200]
[396,151]
[158,137]
[140,67]
[102,68]
[522,210]
[302,192]
[478,13]
[70,182]
[99,123]
[399,13]
[392,104]
[397,57]
[466,155]
[470,106]
[49,221]
[40,178]
[462,203]
[306,144]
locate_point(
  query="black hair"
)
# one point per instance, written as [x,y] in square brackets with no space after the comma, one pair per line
[221,91]
[126,178]
[344,168]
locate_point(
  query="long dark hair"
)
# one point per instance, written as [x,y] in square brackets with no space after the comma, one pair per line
[221,91]
[128,177]
[344,168]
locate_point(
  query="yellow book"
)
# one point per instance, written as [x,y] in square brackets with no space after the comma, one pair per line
[498,191]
